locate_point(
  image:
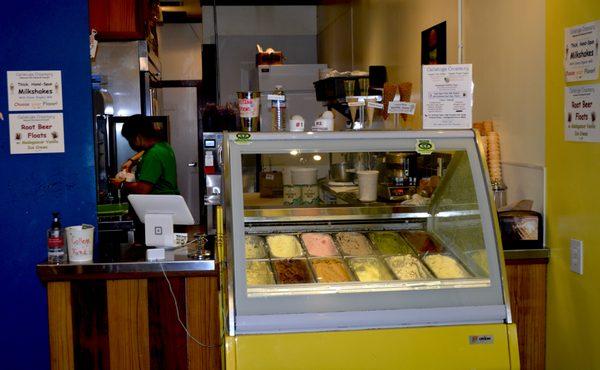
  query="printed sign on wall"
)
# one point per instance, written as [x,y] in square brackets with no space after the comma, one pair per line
[581,52]
[34,90]
[447,96]
[581,113]
[36,133]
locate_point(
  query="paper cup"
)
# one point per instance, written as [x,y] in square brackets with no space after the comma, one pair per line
[80,243]
[304,176]
[367,185]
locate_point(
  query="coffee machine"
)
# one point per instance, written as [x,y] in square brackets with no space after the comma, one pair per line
[212,148]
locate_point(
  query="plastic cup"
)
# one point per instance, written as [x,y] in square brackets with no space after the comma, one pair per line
[367,185]
[80,243]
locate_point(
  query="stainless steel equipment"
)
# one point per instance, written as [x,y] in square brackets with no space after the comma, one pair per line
[297,82]
[212,145]
[397,176]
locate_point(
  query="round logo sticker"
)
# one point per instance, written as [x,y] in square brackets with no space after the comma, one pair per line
[424,146]
[243,138]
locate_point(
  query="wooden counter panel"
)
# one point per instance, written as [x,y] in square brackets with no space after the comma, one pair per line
[128,324]
[168,340]
[527,289]
[132,324]
[203,324]
[60,326]
[90,324]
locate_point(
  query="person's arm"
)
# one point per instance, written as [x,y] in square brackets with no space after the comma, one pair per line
[139,187]
[132,161]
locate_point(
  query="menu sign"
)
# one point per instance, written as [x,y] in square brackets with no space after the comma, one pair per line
[34,90]
[581,52]
[447,96]
[581,113]
[36,133]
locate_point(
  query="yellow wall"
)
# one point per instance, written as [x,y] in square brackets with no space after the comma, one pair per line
[573,209]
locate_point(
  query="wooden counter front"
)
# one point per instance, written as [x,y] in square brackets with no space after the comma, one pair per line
[132,323]
[526,276]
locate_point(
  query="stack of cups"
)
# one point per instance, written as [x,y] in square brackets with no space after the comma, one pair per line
[80,243]
[493,157]
[367,185]
[306,179]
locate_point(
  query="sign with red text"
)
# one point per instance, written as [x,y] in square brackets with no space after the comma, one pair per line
[32,133]
[581,52]
[582,105]
[34,90]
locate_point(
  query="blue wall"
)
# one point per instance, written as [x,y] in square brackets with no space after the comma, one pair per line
[41,35]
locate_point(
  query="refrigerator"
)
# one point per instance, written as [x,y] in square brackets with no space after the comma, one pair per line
[297,82]
[126,71]
[346,284]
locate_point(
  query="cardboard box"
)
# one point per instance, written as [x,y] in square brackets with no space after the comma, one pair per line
[271,184]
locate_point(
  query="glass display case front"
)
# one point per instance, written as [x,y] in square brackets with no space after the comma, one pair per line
[328,231]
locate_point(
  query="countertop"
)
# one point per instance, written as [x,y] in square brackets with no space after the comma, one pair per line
[124,261]
[514,255]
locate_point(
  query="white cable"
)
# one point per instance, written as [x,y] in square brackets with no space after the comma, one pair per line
[179,317]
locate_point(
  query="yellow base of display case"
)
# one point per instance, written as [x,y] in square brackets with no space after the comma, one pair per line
[490,346]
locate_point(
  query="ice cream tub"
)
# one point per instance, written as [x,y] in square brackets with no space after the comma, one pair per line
[284,246]
[319,244]
[330,270]
[354,244]
[370,269]
[255,246]
[292,271]
[445,266]
[408,268]
[259,272]
[80,243]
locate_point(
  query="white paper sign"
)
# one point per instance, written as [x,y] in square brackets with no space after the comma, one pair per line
[374,105]
[401,107]
[581,52]
[34,90]
[582,105]
[36,133]
[447,96]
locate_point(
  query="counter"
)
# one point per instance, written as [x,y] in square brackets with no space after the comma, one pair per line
[526,271]
[119,311]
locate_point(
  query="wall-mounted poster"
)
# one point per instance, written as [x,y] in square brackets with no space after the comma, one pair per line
[582,106]
[447,96]
[32,133]
[433,45]
[581,52]
[34,90]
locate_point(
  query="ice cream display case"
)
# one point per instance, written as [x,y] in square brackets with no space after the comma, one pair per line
[342,283]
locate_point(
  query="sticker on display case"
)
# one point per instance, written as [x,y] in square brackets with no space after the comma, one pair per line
[243,138]
[33,133]
[481,339]
[34,90]
[424,146]
[582,105]
[581,52]
[447,96]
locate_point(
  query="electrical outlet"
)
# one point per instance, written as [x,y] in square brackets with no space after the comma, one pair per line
[577,256]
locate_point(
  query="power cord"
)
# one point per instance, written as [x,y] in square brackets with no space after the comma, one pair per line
[179,316]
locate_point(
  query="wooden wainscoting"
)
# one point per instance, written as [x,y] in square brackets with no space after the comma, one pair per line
[132,324]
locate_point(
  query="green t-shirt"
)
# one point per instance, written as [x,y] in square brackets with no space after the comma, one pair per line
[158,167]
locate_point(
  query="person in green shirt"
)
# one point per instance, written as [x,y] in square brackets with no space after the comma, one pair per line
[156,170]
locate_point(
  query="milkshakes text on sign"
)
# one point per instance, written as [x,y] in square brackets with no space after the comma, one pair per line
[447,96]
[581,52]
[581,113]
[34,90]
[32,133]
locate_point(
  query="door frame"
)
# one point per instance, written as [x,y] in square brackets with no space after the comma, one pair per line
[201,100]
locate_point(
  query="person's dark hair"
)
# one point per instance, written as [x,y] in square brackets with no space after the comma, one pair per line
[139,125]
